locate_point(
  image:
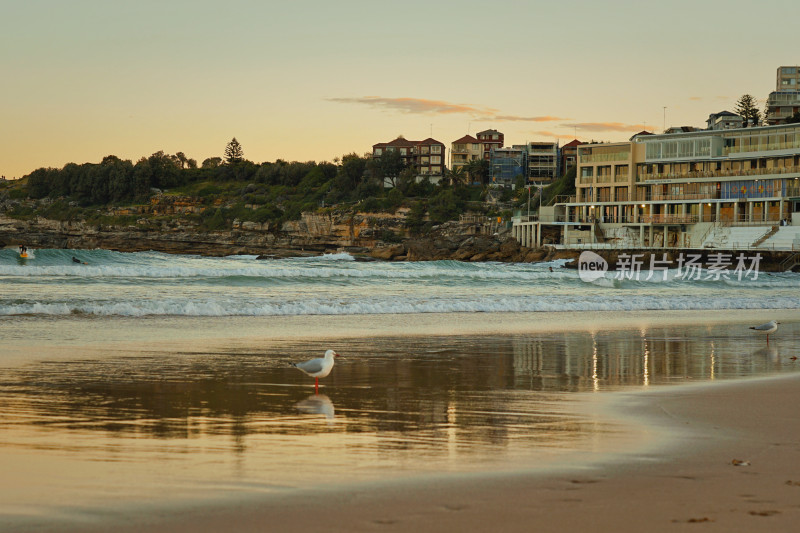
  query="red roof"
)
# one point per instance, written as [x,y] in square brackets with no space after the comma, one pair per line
[466,139]
[574,142]
[429,141]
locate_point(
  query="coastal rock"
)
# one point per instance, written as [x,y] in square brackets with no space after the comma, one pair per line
[388,253]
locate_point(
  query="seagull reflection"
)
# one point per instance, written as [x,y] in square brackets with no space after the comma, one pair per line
[316,404]
[770,353]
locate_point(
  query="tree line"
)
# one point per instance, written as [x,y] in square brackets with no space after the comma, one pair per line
[281,190]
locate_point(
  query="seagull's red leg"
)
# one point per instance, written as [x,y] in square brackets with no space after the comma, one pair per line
[316,380]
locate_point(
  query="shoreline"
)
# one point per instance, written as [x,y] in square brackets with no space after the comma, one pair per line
[277,328]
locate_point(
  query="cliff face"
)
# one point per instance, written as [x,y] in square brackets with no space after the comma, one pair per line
[360,234]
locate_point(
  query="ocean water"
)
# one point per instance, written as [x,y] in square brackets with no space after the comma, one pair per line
[156,284]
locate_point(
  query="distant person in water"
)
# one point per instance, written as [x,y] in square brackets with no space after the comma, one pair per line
[76,260]
[23,249]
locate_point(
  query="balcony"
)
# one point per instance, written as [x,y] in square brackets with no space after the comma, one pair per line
[767,147]
[669,219]
[720,173]
[598,158]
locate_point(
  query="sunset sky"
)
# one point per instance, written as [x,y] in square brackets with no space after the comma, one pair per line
[313,80]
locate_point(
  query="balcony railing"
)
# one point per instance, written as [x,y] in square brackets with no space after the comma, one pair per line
[597,158]
[719,173]
[768,147]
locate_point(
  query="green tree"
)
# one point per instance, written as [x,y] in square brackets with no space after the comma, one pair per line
[182,159]
[747,107]
[234,152]
[212,162]
[444,206]
[457,176]
[415,218]
[387,167]
[794,119]
[478,170]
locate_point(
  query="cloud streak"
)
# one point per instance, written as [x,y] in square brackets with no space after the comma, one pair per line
[512,118]
[439,107]
[554,135]
[417,105]
[604,126]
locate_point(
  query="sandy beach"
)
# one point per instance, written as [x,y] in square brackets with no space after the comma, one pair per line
[691,484]
[661,458]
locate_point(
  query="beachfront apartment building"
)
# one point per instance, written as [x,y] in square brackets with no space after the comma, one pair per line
[543,162]
[427,157]
[506,165]
[465,150]
[491,140]
[681,190]
[784,101]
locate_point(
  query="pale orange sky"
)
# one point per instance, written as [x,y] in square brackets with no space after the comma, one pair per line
[313,80]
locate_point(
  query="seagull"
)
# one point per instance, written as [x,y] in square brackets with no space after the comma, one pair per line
[318,368]
[769,327]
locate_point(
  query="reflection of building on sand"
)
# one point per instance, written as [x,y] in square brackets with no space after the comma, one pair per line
[439,397]
[586,361]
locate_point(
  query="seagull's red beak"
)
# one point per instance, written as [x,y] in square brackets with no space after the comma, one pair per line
[335,354]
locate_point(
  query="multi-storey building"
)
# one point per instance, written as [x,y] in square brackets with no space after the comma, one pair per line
[724,120]
[543,162]
[676,190]
[491,139]
[427,156]
[464,150]
[507,165]
[785,100]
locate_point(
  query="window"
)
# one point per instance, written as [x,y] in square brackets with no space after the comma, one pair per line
[402,151]
[436,159]
[378,151]
[436,149]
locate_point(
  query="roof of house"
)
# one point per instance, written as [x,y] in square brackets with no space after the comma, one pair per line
[466,139]
[400,142]
[488,132]
[429,140]
[573,142]
[722,113]
[643,132]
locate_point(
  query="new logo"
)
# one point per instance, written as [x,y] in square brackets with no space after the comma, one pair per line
[591,266]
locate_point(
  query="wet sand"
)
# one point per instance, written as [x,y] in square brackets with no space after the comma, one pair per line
[689,485]
[675,473]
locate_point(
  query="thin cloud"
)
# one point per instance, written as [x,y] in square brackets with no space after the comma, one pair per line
[417,105]
[554,135]
[695,98]
[605,126]
[512,118]
[439,107]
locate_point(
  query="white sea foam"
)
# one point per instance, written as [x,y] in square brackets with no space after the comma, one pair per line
[387,306]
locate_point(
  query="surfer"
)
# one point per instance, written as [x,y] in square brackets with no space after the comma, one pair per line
[23,250]
[76,260]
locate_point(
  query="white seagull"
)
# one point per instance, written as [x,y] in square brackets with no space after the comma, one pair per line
[318,367]
[769,327]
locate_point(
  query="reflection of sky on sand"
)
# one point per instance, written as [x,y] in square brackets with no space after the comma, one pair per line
[120,426]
